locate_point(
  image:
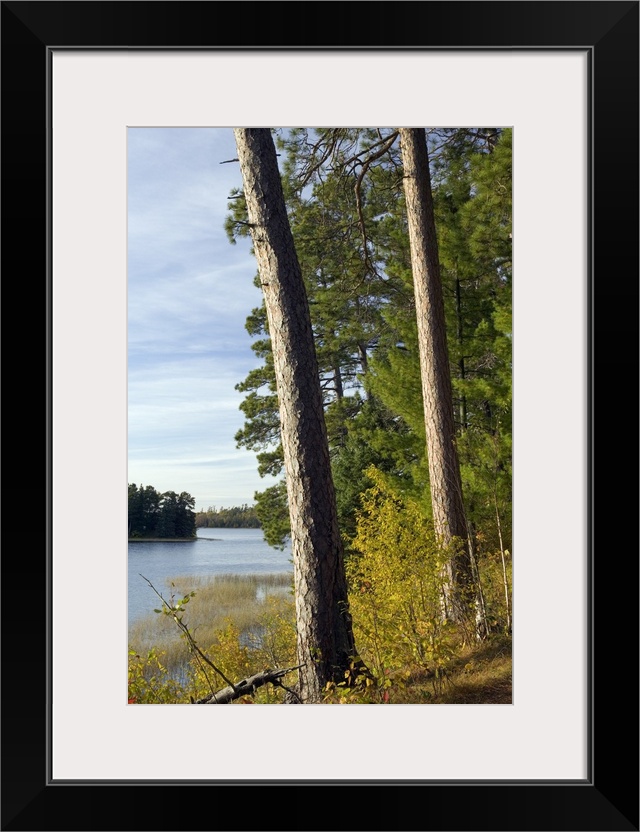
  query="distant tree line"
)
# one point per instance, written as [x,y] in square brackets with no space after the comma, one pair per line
[166,515]
[237,517]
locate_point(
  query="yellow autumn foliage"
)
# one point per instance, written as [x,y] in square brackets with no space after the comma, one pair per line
[395,588]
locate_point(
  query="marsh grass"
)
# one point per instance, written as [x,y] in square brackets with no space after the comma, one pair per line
[243,600]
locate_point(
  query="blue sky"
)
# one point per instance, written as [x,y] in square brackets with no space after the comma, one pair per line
[189,293]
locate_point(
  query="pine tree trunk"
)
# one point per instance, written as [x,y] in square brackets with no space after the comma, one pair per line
[444,468]
[325,636]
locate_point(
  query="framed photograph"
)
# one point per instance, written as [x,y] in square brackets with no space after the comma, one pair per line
[563,755]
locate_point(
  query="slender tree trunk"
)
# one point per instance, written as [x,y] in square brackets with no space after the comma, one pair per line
[325,636]
[337,382]
[482,621]
[444,469]
[505,581]
[460,334]
[364,359]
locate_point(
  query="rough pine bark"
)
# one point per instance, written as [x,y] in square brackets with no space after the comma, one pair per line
[325,636]
[444,468]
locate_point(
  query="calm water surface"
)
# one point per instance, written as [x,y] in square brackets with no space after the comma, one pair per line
[214,552]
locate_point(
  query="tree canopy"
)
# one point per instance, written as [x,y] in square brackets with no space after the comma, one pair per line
[347,209]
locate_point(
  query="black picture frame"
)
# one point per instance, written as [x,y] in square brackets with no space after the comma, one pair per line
[608,798]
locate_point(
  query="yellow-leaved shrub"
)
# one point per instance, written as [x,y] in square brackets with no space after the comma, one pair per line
[394,572]
[150,683]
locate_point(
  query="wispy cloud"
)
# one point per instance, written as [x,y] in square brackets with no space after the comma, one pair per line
[189,293]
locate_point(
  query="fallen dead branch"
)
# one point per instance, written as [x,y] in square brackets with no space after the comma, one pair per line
[248,686]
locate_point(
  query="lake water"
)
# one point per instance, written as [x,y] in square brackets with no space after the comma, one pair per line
[214,552]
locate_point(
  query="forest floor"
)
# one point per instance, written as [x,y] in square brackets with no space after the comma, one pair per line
[477,676]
